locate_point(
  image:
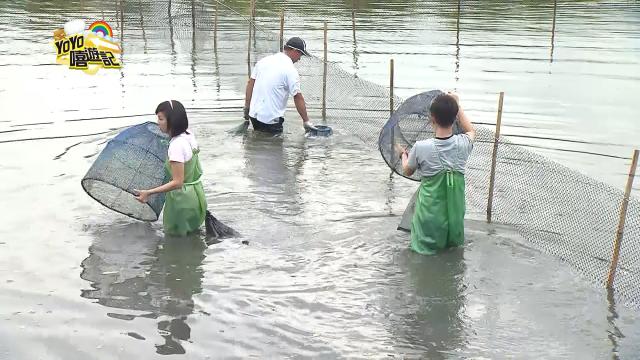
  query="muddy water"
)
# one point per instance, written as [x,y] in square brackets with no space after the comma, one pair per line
[325,274]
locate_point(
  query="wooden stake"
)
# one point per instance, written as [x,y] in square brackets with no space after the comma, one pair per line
[621,221]
[121,23]
[324,77]
[193,16]
[492,178]
[117,19]
[281,29]
[391,87]
[144,34]
[553,27]
[253,19]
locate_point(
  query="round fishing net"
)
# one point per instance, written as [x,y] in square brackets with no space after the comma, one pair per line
[411,122]
[134,159]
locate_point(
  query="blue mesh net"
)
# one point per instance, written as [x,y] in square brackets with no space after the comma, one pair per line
[134,159]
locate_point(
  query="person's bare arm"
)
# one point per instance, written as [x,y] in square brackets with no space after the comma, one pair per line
[177,180]
[466,125]
[247,97]
[406,169]
[465,122]
[301,106]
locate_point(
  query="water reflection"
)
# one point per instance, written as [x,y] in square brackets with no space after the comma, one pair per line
[133,267]
[355,43]
[429,306]
[274,181]
[171,40]
[614,334]
[144,33]
[553,29]
[457,71]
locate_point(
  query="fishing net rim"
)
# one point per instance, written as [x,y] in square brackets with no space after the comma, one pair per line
[82,183]
[393,169]
[395,117]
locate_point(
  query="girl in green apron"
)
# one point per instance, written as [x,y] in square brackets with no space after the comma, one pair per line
[185,207]
[438,220]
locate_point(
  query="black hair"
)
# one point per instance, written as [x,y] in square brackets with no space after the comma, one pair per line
[444,109]
[177,122]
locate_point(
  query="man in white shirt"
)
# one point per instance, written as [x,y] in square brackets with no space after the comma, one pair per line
[273,80]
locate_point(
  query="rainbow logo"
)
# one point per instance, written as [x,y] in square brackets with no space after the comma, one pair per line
[101,27]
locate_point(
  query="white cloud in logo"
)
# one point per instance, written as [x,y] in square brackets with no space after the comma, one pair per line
[74,27]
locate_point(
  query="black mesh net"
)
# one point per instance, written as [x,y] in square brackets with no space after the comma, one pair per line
[411,122]
[134,159]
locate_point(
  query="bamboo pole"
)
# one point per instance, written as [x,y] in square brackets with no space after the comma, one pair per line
[492,178]
[253,20]
[458,17]
[391,75]
[117,19]
[121,22]
[193,16]
[324,77]
[553,27]
[215,28]
[144,34]
[281,29]
[621,221]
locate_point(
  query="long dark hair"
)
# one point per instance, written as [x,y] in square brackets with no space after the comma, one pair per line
[177,121]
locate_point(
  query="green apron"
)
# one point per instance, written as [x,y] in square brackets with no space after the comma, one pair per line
[185,208]
[438,220]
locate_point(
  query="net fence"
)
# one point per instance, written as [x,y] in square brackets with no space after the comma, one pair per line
[555,208]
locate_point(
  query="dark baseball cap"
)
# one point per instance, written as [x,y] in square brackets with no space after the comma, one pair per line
[297,44]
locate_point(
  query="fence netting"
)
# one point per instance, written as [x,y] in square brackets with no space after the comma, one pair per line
[555,208]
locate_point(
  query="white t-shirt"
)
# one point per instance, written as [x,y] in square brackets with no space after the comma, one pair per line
[181,147]
[275,79]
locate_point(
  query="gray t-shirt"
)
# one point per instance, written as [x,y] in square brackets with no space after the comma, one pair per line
[431,156]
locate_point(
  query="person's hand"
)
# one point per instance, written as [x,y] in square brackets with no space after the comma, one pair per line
[246,113]
[308,126]
[401,150]
[143,195]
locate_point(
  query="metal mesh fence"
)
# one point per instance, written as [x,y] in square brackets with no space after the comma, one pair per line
[558,210]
